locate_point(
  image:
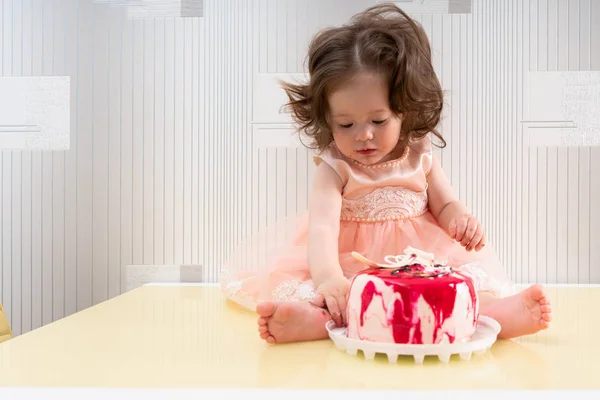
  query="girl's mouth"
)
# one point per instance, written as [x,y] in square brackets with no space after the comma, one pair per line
[366,152]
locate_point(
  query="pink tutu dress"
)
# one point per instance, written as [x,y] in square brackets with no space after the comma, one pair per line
[384,210]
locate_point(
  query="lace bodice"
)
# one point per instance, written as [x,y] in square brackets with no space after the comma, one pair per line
[384,204]
[394,190]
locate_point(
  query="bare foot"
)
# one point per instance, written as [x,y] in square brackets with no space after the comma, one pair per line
[284,322]
[524,313]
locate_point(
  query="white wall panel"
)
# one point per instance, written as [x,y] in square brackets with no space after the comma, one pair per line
[150,9]
[34,113]
[434,6]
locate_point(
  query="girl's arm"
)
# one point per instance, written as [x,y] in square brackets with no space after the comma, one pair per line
[451,214]
[324,224]
[323,235]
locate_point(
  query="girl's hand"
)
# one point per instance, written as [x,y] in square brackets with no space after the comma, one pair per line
[334,291]
[467,230]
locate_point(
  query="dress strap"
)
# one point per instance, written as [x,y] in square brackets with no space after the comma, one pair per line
[332,157]
[423,149]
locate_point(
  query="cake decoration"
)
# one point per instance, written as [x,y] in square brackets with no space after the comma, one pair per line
[413,262]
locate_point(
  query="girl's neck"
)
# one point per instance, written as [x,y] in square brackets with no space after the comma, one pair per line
[397,153]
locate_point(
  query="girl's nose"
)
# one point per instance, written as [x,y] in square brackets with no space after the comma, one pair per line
[364,135]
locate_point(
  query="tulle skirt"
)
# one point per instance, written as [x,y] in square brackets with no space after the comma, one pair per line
[273,266]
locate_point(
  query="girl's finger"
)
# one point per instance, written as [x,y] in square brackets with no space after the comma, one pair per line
[469,232]
[341,300]
[476,238]
[482,243]
[334,310]
[461,226]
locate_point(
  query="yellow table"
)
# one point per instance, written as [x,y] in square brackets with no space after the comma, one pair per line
[188,336]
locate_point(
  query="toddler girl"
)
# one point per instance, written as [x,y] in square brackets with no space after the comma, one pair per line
[371,107]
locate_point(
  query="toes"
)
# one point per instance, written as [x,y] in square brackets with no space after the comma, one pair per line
[266,309]
[546,308]
[263,328]
[264,335]
[270,340]
[544,324]
[537,293]
[544,301]
[547,317]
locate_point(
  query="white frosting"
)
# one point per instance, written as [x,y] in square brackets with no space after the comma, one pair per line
[375,325]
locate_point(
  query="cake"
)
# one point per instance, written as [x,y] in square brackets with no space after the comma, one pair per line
[413,299]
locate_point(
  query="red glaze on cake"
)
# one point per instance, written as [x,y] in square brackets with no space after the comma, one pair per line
[415,301]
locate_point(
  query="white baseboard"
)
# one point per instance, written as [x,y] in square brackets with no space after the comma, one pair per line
[181,284]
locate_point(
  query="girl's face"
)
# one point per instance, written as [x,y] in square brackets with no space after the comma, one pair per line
[364,128]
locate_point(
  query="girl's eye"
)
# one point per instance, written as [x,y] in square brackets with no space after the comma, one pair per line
[380,122]
[346,126]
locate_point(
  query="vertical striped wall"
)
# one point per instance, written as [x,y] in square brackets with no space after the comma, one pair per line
[179,150]
[158,107]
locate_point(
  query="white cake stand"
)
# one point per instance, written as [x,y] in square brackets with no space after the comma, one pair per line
[484,337]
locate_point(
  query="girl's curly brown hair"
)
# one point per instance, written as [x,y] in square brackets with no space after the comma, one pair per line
[382,39]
